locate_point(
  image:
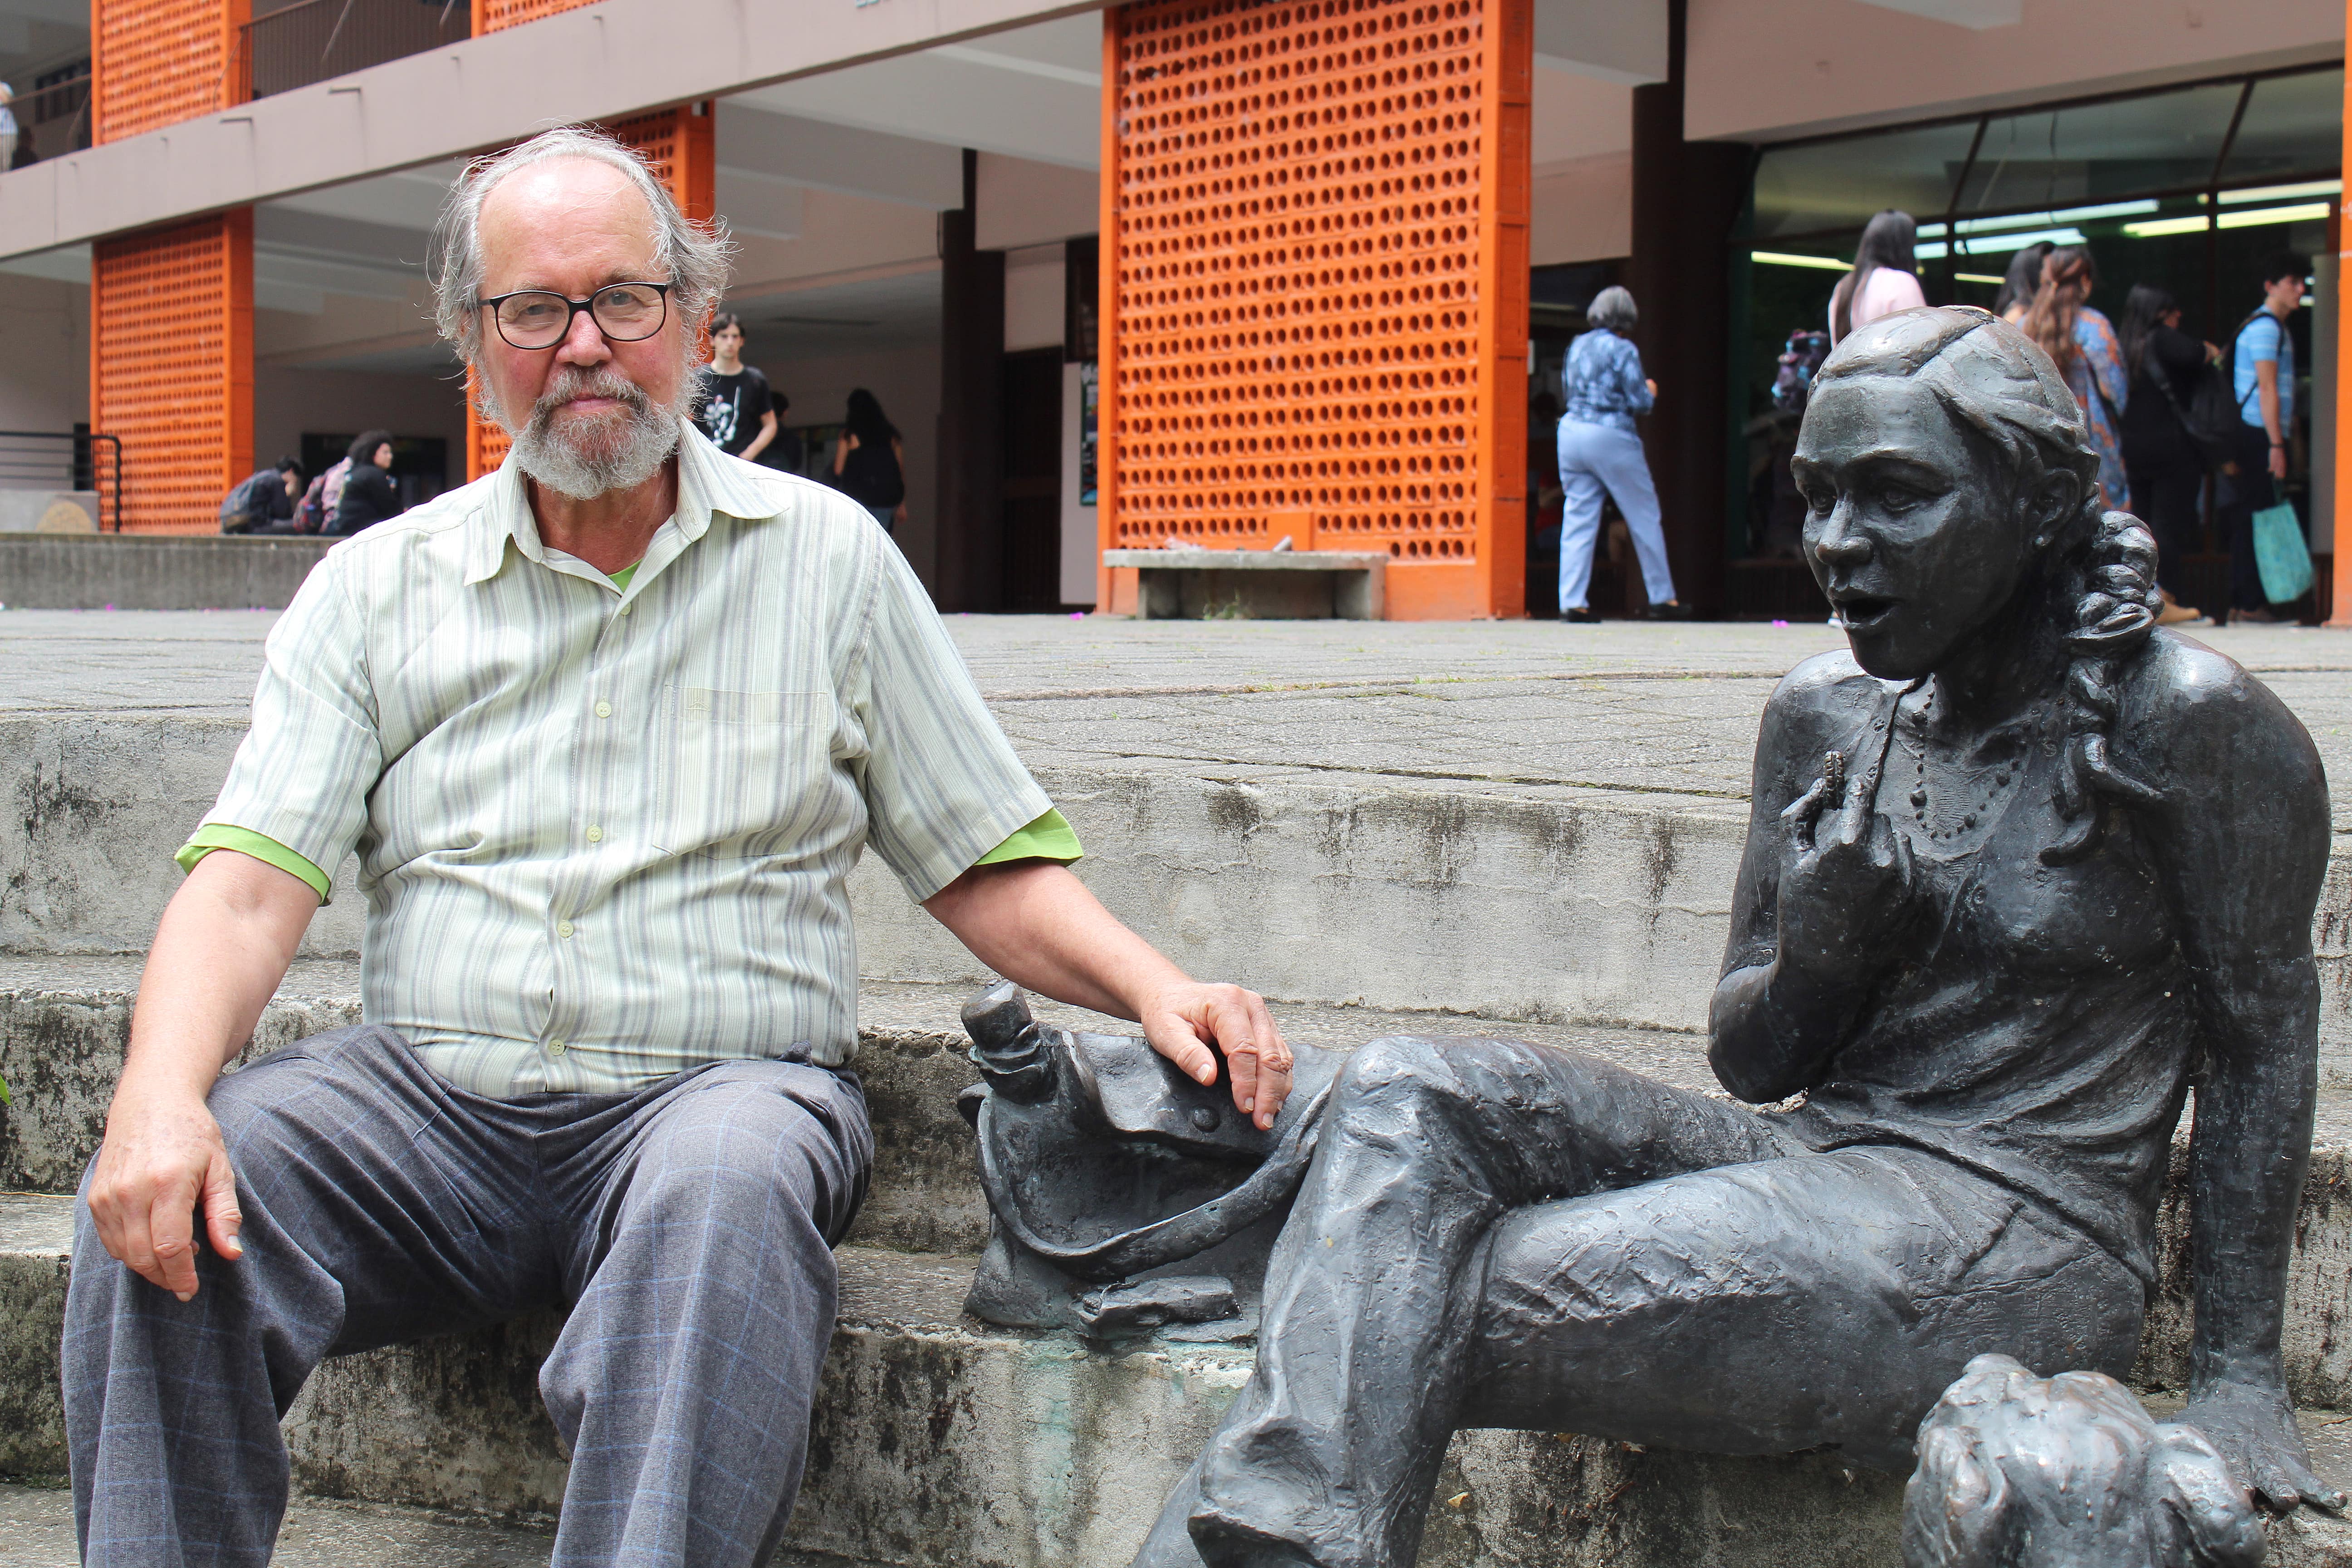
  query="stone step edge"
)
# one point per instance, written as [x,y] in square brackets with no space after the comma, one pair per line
[892,1373]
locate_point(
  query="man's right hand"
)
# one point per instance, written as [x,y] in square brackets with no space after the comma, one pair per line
[161,1162]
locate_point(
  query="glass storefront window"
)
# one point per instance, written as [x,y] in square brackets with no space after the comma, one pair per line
[1839,184]
[2294,125]
[2099,152]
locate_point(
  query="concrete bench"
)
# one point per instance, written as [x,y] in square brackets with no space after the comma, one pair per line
[1256,584]
[154,570]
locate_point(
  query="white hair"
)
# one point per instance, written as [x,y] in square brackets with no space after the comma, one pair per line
[694,256]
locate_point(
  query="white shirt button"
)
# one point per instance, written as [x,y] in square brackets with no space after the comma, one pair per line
[555,1048]
[563,930]
[595,834]
[627,608]
[604,711]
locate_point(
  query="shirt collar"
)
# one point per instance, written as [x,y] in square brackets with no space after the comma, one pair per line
[708,483]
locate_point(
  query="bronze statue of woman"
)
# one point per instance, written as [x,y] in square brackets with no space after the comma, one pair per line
[2022,869]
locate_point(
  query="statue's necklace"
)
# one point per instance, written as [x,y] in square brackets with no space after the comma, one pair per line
[1923,810]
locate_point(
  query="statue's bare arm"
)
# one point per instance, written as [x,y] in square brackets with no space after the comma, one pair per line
[1824,889]
[2240,834]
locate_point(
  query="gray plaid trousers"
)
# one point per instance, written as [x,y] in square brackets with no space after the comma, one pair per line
[687,1226]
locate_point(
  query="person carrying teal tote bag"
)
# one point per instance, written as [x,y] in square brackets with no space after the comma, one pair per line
[2280,556]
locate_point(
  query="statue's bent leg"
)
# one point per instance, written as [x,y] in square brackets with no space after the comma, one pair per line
[1329,1454]
[1759,1309]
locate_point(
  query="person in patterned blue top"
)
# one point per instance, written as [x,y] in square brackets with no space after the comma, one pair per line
[1599,450]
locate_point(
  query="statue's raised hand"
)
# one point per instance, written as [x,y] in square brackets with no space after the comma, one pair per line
[1848,887]
[2253,1427]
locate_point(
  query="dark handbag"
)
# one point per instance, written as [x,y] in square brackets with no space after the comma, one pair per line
[1123,1196]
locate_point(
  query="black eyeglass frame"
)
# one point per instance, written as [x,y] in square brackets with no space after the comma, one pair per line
[589,305]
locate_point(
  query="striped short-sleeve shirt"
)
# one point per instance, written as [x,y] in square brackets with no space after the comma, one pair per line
[604,831]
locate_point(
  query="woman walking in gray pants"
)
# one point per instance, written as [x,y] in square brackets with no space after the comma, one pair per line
[1598,447]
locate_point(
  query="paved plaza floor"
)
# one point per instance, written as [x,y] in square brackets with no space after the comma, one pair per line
[1524,707]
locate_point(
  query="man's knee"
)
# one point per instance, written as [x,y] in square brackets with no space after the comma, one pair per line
[755,1140]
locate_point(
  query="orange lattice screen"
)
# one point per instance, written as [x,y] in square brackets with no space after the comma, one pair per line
[1315,286]
[680,146]
[171,366]
[157,62]
[489,15]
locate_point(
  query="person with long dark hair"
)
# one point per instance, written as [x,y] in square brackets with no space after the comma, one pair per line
[369,494]
[2081,342]
[1884,278]
[869,465]
[2021,282]
[2163,466]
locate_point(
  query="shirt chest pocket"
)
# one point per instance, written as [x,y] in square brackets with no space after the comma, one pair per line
[743,772]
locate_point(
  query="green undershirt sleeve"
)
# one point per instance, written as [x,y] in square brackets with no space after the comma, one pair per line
[1047,839]
[214,836]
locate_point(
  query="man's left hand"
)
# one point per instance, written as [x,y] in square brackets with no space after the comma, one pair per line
[1184,1023]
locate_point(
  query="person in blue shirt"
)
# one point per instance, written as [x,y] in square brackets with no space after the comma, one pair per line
[2261,363]
[1599,451]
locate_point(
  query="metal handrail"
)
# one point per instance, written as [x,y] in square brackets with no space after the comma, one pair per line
[80,462]
[282,50]
[68,101]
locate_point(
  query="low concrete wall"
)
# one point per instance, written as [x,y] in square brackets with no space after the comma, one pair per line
[152,572]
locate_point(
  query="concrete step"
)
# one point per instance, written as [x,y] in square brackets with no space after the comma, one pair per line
[64,1023]
[1504,822]
[943,1443]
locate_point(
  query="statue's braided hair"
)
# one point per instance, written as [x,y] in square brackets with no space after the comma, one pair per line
[1996,384]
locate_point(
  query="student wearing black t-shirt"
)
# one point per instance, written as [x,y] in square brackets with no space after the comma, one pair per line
[739,411]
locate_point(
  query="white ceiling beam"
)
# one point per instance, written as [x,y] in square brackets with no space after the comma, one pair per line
[1974,14]
[1623,41]
[829,157]
[970,98]
[755,205]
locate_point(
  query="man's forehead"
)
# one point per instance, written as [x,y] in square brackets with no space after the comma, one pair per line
[567,199]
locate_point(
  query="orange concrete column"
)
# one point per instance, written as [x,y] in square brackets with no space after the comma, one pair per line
[2342,615]
[682,149]
[1315,287]
[172,308]
[170,368]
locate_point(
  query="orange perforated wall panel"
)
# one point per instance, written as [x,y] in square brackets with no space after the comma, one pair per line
[172,367]
[1315,286]
[489,15]
[681,144]
[157,62]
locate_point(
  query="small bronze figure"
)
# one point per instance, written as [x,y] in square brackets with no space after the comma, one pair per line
[2020,1472]
[2021,870]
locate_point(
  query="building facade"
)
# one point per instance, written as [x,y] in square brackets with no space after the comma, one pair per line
[1218,271]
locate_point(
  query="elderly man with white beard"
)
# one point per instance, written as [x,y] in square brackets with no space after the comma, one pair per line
[607,730]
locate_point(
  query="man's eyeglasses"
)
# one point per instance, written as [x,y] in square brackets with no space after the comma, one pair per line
[540,318]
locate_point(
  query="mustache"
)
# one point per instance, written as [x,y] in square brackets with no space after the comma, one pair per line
[570,382]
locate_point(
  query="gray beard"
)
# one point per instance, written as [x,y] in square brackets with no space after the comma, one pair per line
[591,458]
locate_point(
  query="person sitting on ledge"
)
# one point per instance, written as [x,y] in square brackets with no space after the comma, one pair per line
[2020,867]
[607,730]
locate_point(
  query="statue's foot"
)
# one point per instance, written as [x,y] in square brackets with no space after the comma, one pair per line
[1227,1543]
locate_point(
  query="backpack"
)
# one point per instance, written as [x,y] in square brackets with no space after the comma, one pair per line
[317,513]
[1801,358]
[242,507]
[2213,414]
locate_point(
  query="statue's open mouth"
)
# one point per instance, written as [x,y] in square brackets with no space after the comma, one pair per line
[1862,611]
